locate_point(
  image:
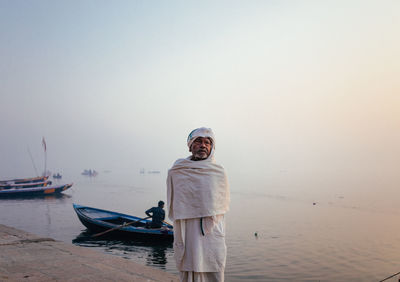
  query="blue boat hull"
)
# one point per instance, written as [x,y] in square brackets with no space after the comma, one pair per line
[34,191]
[98,220]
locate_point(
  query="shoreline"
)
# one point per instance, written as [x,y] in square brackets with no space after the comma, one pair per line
[25,256]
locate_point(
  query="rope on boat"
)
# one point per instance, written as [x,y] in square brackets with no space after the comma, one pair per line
[390,277]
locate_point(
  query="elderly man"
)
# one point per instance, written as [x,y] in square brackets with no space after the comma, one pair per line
[198,198]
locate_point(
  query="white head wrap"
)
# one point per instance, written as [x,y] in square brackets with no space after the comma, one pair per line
[201,132]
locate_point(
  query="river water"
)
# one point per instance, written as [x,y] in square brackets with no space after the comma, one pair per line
[271,236]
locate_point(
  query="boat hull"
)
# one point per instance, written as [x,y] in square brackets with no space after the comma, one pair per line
[25,180]
[34,191]
[97,220]
[25,185]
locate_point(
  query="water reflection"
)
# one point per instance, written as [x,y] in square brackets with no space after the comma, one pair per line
[157,256]
[153,253]
[37,198]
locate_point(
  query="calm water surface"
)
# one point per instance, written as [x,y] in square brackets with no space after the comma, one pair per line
[270,236]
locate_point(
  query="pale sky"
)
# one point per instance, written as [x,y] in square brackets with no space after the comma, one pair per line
[300,88]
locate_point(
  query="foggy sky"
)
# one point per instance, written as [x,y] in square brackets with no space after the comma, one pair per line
[302,93]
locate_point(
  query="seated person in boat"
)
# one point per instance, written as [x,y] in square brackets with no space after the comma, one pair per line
[157,214]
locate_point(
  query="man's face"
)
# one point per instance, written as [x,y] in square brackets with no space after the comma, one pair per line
[201,148]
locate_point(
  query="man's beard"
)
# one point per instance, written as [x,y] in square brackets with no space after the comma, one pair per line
[200,156]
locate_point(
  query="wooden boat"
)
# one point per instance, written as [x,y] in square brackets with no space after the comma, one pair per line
[25,185]
[89,172]
[34,191]
[98,220]
[57,176]
[25,180]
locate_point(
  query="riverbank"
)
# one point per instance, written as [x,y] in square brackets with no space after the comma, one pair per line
[25,256]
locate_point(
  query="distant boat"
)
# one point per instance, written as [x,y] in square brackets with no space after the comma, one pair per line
[142,171]
[97,220]
[57,176]
[89,172]
[34,191]
[30,182]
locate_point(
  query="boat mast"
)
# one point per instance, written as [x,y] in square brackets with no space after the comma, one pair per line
[33,163]
[45,156]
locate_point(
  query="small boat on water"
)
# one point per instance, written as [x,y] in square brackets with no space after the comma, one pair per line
[25,180]
[33,191]
[57,176]
[89,172]
[98,220]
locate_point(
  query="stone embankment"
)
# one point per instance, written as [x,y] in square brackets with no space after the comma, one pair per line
[27,257]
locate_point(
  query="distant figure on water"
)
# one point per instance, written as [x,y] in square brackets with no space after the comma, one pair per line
[157,214]
[89,172]
[197,200]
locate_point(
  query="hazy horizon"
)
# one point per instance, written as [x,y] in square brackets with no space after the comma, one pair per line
[302,95]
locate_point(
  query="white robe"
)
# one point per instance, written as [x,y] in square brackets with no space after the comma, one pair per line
[197,252]
[198,189]
[201,276]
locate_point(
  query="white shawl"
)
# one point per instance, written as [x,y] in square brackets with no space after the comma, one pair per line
[197,189]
